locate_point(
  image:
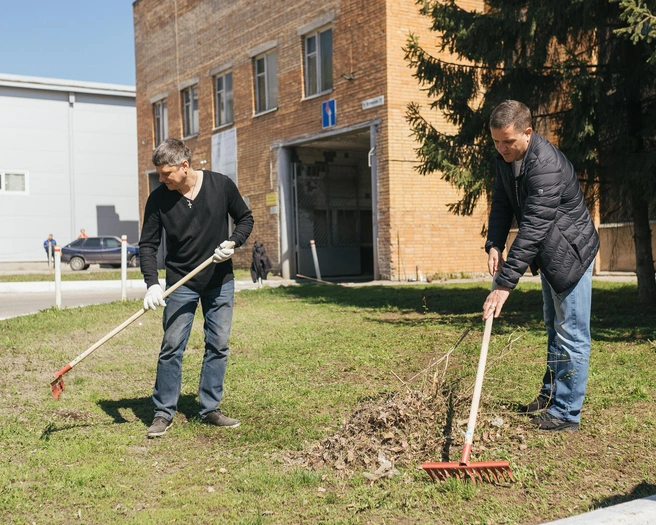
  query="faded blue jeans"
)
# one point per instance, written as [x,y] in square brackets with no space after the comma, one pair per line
[567,319]
[217,305]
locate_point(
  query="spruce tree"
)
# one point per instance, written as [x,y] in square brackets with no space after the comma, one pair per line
[641,23]
[591,88]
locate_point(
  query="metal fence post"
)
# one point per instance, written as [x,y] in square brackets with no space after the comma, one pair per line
[58,277]
[124,267]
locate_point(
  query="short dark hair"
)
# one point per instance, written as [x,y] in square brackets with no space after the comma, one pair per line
[172,152]
[511,112]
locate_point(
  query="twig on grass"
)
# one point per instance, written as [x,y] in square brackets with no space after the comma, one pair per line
[495,360]
[402,381]
[437,362]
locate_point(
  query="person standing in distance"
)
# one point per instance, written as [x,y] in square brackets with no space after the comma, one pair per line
[49,246]
[537,185]
[192,206]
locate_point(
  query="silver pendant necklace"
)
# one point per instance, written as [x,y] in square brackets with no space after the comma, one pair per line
[193,189]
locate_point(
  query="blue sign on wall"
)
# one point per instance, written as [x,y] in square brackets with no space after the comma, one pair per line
[328,113]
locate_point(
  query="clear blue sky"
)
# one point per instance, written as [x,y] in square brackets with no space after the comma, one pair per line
[90,40]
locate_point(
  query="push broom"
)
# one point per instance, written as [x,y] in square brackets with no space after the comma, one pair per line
[57,385]
[480,470]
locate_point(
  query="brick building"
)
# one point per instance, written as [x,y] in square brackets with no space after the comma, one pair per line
[303,103]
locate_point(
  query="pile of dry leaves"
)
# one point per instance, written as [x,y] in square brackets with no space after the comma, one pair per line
[403,429]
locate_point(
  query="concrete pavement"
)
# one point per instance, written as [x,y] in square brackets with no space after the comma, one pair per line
[637,512]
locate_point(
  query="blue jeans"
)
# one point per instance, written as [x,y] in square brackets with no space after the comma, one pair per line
[177,320]
[567,319]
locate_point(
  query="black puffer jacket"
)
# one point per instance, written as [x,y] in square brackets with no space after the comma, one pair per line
[556,233]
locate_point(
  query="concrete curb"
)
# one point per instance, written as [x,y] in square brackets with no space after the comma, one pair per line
[68,286]
[85,286]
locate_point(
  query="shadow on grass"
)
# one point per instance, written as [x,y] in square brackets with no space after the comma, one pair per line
[142,408]
[51,428]
[641,490]
[615,315]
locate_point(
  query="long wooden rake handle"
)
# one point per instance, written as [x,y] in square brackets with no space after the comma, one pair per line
[478,386]
[57,385]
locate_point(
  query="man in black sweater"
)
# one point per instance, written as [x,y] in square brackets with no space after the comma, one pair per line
[537,185]
[192,208]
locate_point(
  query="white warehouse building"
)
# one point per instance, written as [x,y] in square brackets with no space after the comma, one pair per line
[68,161]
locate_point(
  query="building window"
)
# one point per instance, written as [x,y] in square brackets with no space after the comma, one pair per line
[161,120]
[223,100]
[266,82]
[318,62]
[13,182]
[190,111]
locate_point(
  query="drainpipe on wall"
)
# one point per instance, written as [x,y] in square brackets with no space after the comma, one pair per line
[71,160]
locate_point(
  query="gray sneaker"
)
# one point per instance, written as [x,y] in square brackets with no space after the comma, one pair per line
[548,422]
[159,427]
[219,419]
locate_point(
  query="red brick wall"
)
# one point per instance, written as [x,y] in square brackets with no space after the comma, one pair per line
[367,41]
[422,232]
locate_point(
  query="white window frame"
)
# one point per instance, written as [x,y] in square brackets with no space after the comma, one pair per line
[189,98]
[265,73]
[160,121]
[3,182]
[321,63]
[224,111]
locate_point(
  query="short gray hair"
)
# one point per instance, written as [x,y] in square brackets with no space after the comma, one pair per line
[511,112]
[172,152]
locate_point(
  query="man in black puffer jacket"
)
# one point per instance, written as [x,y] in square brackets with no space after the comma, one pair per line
[537,185]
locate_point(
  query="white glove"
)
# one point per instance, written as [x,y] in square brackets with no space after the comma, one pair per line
[224,252]
[154,297]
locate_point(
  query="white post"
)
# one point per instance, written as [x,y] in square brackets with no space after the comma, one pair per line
[316,260]
[58,277]
[49,256]
[124,268]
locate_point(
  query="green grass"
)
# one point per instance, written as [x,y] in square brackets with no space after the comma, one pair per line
[303,360]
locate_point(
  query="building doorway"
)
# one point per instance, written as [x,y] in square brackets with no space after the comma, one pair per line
[332,205]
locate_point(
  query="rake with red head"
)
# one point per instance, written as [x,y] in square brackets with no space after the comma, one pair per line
[57,385]
[481,470]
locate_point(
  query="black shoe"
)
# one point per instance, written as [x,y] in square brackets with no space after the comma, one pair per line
[539,404]
[159,427]
[219,419]
[548,422]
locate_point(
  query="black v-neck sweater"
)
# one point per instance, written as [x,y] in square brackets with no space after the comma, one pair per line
[193,233]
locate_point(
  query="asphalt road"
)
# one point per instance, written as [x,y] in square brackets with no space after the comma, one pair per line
[15,304]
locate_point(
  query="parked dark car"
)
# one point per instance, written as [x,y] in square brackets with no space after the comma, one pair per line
[98,250]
